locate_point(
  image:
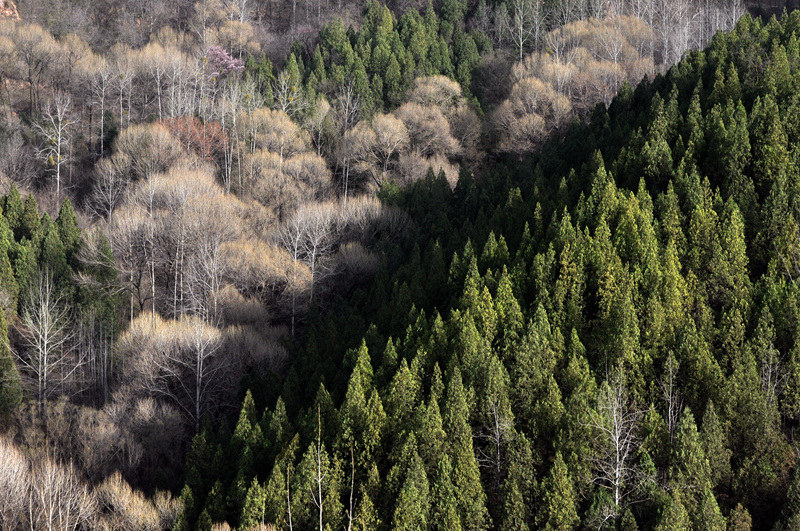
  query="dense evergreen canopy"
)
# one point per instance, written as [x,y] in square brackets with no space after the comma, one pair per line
[380,60]
[638,276]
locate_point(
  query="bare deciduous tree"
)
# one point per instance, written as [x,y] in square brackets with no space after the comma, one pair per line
[14,482]
[289,96]
[530,113]
[128,230]
[318,240]
[132,510]
[100,86]
[615,424]
[47,362]
[291,236]
[428,130]
[111,181]
[58,498]
[347,104]
[391,136]
[182,361]
[16,158]
[55,128]
[319,123]
[524,24]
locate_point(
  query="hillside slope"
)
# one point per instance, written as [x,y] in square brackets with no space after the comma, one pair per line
[606,334]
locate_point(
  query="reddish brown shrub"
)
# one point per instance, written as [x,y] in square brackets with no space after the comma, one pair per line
[208,140]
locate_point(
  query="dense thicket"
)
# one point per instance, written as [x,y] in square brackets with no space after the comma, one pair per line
[605,334]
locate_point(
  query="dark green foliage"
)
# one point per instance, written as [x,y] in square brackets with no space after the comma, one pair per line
[413,504]
[384,56]
[559,510]
[30,245]
[253,507]
[10,386]
[658,241]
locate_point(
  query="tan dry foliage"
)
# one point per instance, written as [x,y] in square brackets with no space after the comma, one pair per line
[356,261]
[276,164]
[363,218]
[444,94]
[531,112]
[319,123]
[39,493]
[284,183]
[132,511]
[235,37]
[146,149]
[183,361]
[391,138]
[237,308]
[34,50]
[169,37]
[6,51]
[356,152]
[260,346]
[14,484]
[428,130]
[58,498]
[413,166]
[584,62]
[257,266]
[437,91]
[273,131]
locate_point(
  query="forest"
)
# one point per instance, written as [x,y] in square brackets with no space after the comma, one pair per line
[458,264]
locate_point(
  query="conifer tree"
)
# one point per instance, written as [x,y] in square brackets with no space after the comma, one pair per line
[739,519]
[413,503]
[366,517]
[559,511]
[444,507]
[68,230]
[675,517]
[790,514]
[689,457]
[276,426]
[10,288]
[709,517]
[361,422]
[430,434]
[200,463]
[10,383]
[517,490]
[715,444]
[276,504]
[769,145]
[466,476]
[182,523]
[253,507]
[29,223]
[404,394]
[243,433]
[509,313]
[12,210]
[53,256]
